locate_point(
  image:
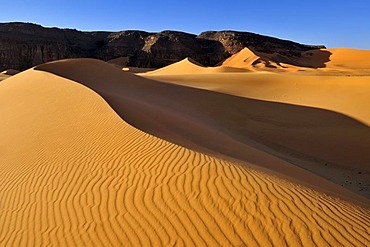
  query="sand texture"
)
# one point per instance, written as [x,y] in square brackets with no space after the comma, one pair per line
[91,155]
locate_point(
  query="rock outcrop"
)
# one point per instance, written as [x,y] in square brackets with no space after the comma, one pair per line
[23,45]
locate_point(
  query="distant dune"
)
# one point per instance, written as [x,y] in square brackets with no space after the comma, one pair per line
[186,66]
[340,61]
[336,61]
[93,155]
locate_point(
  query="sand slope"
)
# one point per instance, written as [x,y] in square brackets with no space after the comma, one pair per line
[73,173]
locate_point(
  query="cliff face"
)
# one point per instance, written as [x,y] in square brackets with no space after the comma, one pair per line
[24,45]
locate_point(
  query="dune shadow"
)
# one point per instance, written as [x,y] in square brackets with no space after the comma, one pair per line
[226,124]
[316,58]
[310,59]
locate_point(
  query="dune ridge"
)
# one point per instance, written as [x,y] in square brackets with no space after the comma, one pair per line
[92,179]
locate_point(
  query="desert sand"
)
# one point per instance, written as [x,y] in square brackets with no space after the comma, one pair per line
[195,156]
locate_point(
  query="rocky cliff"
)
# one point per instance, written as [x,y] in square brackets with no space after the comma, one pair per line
[23,45]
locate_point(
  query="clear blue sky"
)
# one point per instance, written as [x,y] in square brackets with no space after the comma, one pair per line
[341,23]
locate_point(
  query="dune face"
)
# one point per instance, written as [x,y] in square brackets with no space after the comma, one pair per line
[74,173]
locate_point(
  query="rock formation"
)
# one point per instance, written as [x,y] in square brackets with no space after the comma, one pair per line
[24,45]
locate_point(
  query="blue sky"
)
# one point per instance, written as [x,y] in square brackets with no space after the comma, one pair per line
[332,23]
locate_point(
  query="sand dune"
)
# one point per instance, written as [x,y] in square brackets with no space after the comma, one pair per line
[189,66]
[345,58]
[255,61]
[344,94]
[185,116]
[185,66]
[324,87]
[334,119]
[339,61]
[74,173]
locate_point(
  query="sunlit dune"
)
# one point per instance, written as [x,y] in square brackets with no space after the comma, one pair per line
[93,155]
[186,66]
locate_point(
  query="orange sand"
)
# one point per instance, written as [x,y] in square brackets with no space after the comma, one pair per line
[74,173]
